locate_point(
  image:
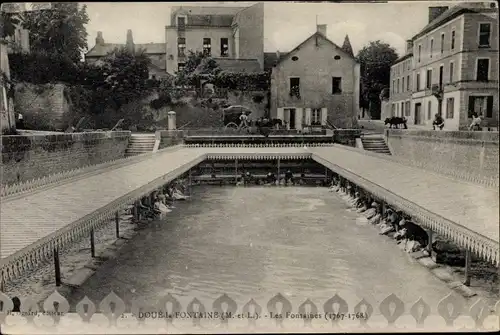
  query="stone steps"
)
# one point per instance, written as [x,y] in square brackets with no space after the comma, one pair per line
[375,144]
[140,143]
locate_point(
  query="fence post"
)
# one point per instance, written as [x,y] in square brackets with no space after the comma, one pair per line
[117,223]
[92,243]
[236,170]
[468,261]
[57,267]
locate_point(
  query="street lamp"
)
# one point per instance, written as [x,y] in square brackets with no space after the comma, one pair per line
[437,91]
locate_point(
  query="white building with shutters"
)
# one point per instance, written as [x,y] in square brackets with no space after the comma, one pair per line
[315,82]
[455,54]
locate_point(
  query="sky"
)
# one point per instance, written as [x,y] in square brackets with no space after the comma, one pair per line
[286,24]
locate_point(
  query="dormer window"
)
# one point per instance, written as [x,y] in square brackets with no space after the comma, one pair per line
[181,22]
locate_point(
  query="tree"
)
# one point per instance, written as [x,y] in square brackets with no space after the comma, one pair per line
[8,23]
[121,79]
[60,29]
[198,66]
[376,60]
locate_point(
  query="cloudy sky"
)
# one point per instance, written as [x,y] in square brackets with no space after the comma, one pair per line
[286,24]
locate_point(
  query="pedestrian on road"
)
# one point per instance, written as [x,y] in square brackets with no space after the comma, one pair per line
[438,122]
[476,122]
[243,120]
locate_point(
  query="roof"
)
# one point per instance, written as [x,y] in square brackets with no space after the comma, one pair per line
[100,50]
[210,20]
[238,65]
[405,57]
[318,34]
[205,10]
[451,14]
[271,59]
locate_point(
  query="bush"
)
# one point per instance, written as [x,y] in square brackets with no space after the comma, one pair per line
[243,81]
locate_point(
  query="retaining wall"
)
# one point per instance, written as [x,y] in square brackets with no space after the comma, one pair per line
[169,138]
[27,157]
[460,154]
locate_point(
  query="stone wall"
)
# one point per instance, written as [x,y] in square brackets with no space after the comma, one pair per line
[169,138]
[465,155]
[28,157]
[44,107]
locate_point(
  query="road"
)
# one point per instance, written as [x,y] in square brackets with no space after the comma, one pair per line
[256,242]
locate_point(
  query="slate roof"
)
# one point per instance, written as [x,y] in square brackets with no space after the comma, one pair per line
[451,14]
[102,50]
[238,65]
[210,20]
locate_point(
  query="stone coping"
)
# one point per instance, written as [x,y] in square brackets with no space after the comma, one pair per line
[444,135]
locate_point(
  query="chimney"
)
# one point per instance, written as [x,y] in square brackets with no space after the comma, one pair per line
[434,12]
[321,28]
[130,42]
[99,40]
[409,46]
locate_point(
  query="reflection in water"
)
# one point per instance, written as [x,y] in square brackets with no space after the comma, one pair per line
[259,241]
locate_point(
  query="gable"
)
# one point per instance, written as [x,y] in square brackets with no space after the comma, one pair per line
[322,42]
[322,54]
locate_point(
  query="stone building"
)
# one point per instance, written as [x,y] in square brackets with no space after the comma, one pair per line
[316,81]
[235,33]
[453,58]
[155,51]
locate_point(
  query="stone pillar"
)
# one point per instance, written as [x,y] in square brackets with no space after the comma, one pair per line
[171,121]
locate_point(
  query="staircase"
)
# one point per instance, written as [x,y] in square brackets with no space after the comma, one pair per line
[375,143]
[140,143]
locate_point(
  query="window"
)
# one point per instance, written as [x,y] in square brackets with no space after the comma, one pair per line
[407,109]
[181,23]
[207,47]
[397,87]
[224,47]
[484,34]
[393,110]
[429,110]
[295,87]
[180,66]
[336,85]
[442,42]
[450,104]
[403,109]
[428,81]
[419,53]
[316,117]
[394,86]
[181,47]
[451,71]
[403,84]
[480,105]
[441,70]
[418,82]
[409,64]
[408,83]
[483,69]
[431,47]
[453,40]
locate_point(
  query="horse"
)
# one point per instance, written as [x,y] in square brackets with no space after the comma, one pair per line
[396,121]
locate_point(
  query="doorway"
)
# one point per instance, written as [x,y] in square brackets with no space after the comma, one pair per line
[418,113]
[290,117]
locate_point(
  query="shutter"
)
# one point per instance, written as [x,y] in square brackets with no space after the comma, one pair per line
[471,107]
[489,106]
